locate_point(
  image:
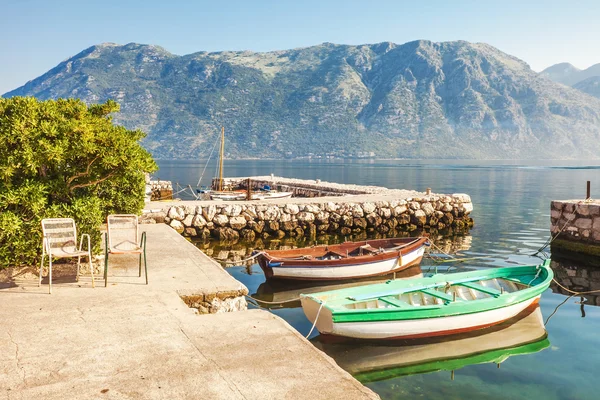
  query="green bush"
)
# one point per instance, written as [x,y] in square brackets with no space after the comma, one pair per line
[62,158]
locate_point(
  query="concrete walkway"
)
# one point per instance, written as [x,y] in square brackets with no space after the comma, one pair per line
[132,341]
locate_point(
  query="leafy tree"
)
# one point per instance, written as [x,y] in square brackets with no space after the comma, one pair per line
[62,158]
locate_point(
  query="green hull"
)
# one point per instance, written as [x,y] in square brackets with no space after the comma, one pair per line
[442,295]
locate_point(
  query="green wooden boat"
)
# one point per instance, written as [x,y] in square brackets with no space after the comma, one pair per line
[370,362]
[443,304]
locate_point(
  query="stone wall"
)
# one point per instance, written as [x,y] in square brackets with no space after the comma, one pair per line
[248,221]
[576,222]
[159,190]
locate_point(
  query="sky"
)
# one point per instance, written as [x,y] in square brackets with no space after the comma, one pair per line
[36,35]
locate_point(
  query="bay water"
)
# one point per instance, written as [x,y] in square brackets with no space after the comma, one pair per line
[511,202]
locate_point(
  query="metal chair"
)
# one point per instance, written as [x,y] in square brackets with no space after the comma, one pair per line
[60,241]
[122,238]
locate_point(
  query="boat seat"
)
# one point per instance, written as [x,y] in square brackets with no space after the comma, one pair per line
[481,288]
[394,301]
[367,248]
[440,295]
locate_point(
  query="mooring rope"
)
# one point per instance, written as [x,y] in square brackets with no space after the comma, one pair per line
[244,260]
[552,238]
[273,302]
[316,319]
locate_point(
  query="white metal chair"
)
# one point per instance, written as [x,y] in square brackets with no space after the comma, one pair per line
[60,241]
[122,238]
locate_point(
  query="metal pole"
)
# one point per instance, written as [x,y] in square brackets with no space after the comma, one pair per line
[588,191]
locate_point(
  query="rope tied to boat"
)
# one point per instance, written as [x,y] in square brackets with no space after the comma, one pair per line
[567,223]
[245,260]
[316,319]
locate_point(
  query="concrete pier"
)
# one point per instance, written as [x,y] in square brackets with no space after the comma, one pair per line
[368,209]
[137,341]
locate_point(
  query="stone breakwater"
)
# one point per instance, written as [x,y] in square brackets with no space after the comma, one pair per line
[575,225]
[289,218]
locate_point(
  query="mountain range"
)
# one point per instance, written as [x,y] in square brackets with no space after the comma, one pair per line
[416,100]
[570,75]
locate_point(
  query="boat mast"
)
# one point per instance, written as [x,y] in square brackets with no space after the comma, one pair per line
[222,155]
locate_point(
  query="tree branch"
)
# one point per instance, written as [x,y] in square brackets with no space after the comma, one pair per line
[81,174]
[81,185]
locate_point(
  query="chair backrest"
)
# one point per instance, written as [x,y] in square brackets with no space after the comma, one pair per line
[122,232]
[59,233]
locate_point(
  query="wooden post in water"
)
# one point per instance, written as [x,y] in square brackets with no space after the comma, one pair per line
[249,191]
[588,195]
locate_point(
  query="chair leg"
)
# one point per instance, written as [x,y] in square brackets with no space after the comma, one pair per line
[91,269]
[41,268]
[106,269]
[50,275]
[145,265]
[78,266]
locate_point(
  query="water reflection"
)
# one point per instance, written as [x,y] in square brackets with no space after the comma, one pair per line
[278,293]
[379,361]
[579,274]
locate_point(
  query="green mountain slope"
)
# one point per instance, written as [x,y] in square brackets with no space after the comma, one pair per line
[419,99]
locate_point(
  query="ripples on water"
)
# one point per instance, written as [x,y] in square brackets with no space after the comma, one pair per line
[512,218]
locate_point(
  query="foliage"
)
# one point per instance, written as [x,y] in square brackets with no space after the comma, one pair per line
[62,158]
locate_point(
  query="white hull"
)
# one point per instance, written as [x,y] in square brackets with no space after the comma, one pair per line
[271,195]
[347,272]
[410,328]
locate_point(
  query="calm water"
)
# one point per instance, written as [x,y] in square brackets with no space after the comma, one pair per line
[511,211]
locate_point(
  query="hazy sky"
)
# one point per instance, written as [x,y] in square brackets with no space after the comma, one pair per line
[35,35]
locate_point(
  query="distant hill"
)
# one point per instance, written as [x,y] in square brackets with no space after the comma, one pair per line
[569,75]
[589,86]
[416,100]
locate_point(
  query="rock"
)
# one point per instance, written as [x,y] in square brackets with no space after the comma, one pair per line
[232,210]
[199,221]
[347,220]
[335,217]
[357,210]
[209,212]
[306,216]
[285,218]
[448,218]
[256,226]
[189,231]
[461,198]
[237,223]
[583,223]
[187,221]
[250,213]
[368,208]
[176,213]
[403,219]
[189,210]
[374,220]
[292,209]
[248,235]
[312,208]
[392,223]
[177,225]
[419,218]
[279,234]
[322,217]
[288,226]
[399,210]
[467,208]
[413,205]
[271,214]
[221,220]
[385,213]
[331,207]
[271,226]
[427,208]
[345,230]
[360,223]
[447,207]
